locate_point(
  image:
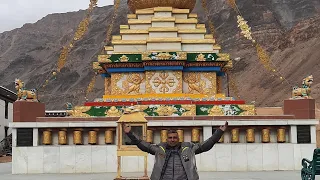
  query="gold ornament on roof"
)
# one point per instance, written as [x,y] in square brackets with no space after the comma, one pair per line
[131,109]
[143,4]
[248,110]
[201,57]
[182,55]
[96,66]
[164,110]
[229,64]
[164,56]
[223,57]
[216,111]
[113,112]
[79,111]
[190,110]
[124,58]
[145,56]
[104,58]
[132,117]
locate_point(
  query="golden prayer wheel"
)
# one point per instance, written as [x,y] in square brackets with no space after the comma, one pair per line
[92,138]
[195,135]
[180,134]
[221,140]
[77,137]
[150,136]
[250,135]
[164,135]
[281,135]
[62,137]
[265,135]
[235,135]
[47,138]
[108,136]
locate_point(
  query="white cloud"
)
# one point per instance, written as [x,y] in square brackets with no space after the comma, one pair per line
[15,13]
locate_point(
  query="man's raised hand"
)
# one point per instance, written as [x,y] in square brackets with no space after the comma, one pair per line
[126,128]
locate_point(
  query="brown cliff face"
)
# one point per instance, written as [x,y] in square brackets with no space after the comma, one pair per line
[289,30]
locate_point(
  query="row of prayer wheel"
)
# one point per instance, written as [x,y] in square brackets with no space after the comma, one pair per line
[195,135]
[250,135]
[77,136]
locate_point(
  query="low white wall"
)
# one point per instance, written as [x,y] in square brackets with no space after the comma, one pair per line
[102,158]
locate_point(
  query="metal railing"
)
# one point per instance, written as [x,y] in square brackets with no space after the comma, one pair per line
[6,146]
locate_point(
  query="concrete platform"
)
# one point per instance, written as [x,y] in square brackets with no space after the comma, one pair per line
[5,174]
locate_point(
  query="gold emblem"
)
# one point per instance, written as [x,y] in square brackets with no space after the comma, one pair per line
[201,57]
[124,58]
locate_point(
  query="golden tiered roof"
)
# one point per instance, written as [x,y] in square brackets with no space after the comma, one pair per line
[143,4]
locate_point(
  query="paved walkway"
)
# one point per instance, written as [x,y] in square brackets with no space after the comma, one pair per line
[5,174]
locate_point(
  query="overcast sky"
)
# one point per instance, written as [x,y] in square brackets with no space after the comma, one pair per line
[15,13]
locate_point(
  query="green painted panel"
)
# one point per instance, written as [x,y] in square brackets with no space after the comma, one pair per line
[203,110]
[202,57]
[98,111]
[226,110]
[125,58]
[166,56]
[151,111]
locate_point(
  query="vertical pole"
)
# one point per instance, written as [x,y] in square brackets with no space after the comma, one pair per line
[146,166]
[35,137]
[228,83]
[119,129]
[313,132]
[293,135]
[145,156]
[119,167]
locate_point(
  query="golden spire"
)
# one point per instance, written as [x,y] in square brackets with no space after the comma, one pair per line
[143,4]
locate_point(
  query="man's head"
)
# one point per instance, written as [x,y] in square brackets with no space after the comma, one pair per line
[173,138]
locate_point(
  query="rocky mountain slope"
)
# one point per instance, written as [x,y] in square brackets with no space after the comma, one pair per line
[289,30]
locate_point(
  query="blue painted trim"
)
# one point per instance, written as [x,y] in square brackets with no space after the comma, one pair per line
[220,73]
[119,70]
[105,75]
[203,69]
[159,68]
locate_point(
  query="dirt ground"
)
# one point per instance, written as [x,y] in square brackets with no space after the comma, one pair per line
[5,159]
